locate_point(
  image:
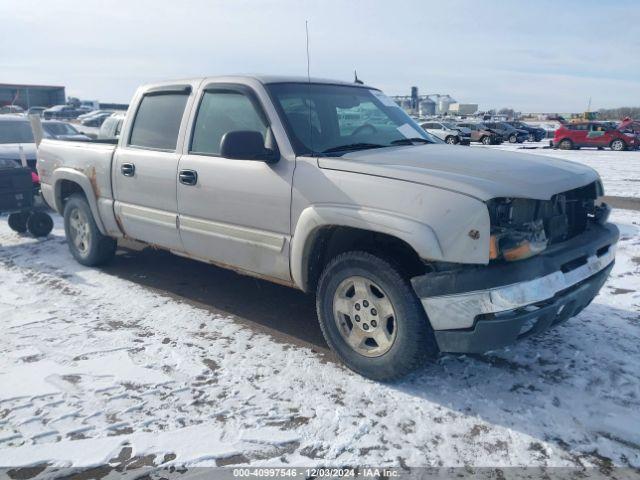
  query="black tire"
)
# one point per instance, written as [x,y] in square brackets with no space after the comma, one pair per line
[618,145]
[18,222]
[98,249]
[39,224]
[451,140]
[486,140]
[565,144]
[414,342]
[513,138]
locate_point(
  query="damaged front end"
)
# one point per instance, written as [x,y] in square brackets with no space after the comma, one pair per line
[522,228]
[549,259]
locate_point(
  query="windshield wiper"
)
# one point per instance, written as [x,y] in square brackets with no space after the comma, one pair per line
[410,141]
[352,147]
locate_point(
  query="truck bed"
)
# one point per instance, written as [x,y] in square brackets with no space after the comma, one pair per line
[87,163]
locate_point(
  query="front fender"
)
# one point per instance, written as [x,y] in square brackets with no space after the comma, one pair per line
[419,236]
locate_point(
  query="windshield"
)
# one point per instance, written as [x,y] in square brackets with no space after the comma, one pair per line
[59,129]
[323,118]
[15,132]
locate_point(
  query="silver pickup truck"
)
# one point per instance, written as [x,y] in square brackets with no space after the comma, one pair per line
[410,246]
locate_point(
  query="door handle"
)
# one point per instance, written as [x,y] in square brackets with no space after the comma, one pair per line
[188,177]
[128,169]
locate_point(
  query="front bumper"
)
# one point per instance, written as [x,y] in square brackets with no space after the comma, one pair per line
[516,299]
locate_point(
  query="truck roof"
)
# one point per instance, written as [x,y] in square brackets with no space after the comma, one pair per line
[264,79]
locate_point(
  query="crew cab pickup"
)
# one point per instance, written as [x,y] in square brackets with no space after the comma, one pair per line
[410,246]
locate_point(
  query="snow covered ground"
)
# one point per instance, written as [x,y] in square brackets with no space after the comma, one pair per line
[95,369]
[620,171]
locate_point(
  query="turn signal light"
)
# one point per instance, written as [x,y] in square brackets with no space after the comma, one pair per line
[494,251]
[524,250]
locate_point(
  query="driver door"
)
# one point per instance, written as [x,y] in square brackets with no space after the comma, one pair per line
[234,212]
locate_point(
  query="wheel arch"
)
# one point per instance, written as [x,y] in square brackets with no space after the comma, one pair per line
[323,231]
[67,182]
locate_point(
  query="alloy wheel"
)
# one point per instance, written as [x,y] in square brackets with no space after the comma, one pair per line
[365,316]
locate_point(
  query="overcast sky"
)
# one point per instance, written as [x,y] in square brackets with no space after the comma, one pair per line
[542,55]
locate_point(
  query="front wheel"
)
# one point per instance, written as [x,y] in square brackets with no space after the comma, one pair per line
[565,144]
[513,138]
[618,145]
[371,318]
[87,245]
[486,140]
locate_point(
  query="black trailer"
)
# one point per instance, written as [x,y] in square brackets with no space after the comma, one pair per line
[20,197]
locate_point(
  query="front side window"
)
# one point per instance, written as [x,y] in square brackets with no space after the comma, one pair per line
[220,112]
[334,119]
[157,121]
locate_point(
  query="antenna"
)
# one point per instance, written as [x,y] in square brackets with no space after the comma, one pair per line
[356,79]
[306,28]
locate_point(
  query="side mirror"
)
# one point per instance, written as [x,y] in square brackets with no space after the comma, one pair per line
[247,145]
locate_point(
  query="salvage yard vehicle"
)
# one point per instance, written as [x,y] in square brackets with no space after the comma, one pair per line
[410,247]
[62,131]
[481,135]
[16,140]
[111,127]
[536,134]
[61,112]
[507,132]
[593,134]
[446,132]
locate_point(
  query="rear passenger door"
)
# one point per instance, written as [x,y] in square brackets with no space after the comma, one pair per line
[145,166]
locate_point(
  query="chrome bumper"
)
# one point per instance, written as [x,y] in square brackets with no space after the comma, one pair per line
[459,311]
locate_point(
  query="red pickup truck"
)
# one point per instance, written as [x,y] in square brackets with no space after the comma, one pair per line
[594,134]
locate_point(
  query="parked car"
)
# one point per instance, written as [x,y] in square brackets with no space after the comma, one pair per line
[36,111]
[92,113]
[536,134]
[480,134]
[446,132]
[95,120]
[61,112]
[410,247]
[16,139]
[507,132]
[11,109]
[62,131]
[110,129]
[593,134]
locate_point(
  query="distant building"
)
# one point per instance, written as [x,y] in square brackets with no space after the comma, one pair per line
[28,96]
[463,108]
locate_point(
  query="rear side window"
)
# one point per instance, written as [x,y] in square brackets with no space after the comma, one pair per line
[221,112]
[158,121]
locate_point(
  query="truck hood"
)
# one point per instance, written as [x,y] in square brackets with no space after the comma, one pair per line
[478,172]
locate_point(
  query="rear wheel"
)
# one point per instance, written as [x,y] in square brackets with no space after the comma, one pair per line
[39,224]
[486,140]
[18,222]
[513,138]
[618,145]
[86,243]
[371,318]
[451,140]
[565,144]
